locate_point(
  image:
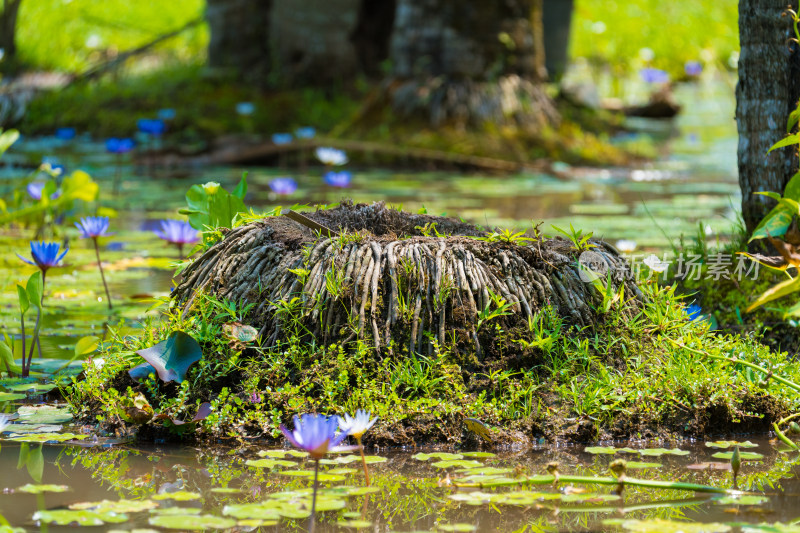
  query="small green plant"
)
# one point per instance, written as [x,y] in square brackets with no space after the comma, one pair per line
[429,230]
[502,307]
[578,238]
[508,236]
[211,207]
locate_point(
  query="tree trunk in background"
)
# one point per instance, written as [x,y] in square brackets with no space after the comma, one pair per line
[471,62]
[239,42]
[372,34]
[768,90]
[8,31]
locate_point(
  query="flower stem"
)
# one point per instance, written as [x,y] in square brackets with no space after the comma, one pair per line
[26,365]
[313,498]
[22,323]
[363,460]
[102,274]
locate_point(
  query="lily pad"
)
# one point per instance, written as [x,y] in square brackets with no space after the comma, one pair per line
[442,456]
[176,510]
[260,511]
[657,452]
[65,517]
[118,506]
[730,444]
[659,525]
[11,396]
[45,437]
[605,450]
[225,490]
[745,456]
[44,414]
[178,496]
[172,358]
[191,522]
[745,499]
[347,459]
[478,455]
[456,527]
[33,388]
[354,524]
[269,463]
[458,463]
[280,454]
[40,489]
[635,465]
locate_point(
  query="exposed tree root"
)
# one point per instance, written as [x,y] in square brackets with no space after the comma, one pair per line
[395,288]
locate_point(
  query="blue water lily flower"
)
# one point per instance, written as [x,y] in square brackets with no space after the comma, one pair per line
[315,434]
[177,232]
[694,311]
[166,114]
[653,75]
[65,134]
[282,138]
[119,146]
[45,255]
[283,186]
[338,179]
[245,108]
[151,126]
[93,227]
[306,132]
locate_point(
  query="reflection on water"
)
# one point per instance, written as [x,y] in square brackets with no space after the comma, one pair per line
[407,493]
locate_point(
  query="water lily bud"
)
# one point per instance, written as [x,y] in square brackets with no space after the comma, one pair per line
[736,462]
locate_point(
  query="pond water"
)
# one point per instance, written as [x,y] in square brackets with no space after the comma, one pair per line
[693,183]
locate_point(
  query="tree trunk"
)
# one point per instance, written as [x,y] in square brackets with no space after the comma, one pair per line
[8,31]
[470,62]
[768,90]
[239,43]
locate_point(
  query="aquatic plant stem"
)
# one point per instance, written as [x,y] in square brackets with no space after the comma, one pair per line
[761,369]
[314,498]
[26,365]
[102,274]
[363,460]
[781,435]
[22,324]
[590,480]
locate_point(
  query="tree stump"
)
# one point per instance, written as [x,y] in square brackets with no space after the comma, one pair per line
[384,280]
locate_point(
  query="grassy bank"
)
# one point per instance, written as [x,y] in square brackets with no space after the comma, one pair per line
[625,378]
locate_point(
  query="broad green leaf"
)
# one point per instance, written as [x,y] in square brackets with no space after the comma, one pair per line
[442,456]
[7,359]
[34,463]
[22,295]
[775,196]
[786,141]
[40,489]
[7,138]
[661,525]
[745,499]
[85,346]
[34,288]
[792,189]
[794,116]
[730,444]
[746,456]
[776,291]
[65,517]
[269,463]
[79,186]
[173,357]
[44,414]
[776,222]
[241,189]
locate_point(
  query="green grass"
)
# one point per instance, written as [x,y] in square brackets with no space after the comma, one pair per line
[676,31]
[56,34]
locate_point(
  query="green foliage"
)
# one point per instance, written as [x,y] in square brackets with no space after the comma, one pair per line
[211,207]
[577,237]
[508,236]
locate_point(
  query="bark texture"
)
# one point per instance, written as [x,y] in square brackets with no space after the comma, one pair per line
[239,38]
[477,61]
[383,282]
[768,90]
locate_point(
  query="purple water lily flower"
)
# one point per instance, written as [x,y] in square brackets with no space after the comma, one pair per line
[693,68]
[45,255]
[151,126]
[315,434]
[282,138]
[65,134]
[119,146]
[283,186]
[338,179]
[306,132]
[36,188]
[653,75]
[177,232]
[93,227]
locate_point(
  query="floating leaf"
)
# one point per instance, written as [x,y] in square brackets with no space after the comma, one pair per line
[478,455]
[589,498]
[45,437]
[657,452]
[745,456]
[486,471]
[456,527]
[40,489]
[178,496]
[442,456]
[458,463]
[260,511]
[347,459]
[65,517]
[118,506]
[172,358]
[269,463]
[11,396]
[225,490]
[730,444]
[355,524]
[44,414]
[33,388]
[659,525]
[606,450]
[744,499]
[191,522]
[176,510]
